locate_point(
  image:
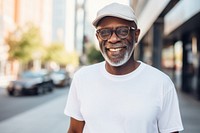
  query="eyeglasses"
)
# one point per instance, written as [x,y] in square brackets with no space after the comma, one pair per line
[122,32]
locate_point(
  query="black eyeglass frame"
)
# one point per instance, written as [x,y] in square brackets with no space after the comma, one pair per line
[114,30]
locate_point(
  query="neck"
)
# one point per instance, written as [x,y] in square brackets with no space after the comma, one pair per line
[128,67]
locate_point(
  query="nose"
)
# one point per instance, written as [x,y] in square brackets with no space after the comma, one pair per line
[114,38]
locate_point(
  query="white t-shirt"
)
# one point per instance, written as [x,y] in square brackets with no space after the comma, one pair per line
[143,101]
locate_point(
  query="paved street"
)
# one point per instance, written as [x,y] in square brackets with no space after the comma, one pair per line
[11,106]
[45,118]
[49,117]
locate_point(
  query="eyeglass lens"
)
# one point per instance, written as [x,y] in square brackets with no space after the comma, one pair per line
[121,32]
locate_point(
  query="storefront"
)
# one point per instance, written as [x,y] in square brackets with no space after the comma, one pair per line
[170,41]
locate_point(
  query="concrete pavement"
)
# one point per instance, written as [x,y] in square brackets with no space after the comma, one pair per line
[46,118]
[190,112]
[49,117]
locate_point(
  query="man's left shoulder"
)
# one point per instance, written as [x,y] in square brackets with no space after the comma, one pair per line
[156,73]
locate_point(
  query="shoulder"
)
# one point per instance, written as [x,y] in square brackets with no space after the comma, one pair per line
[154,71]
[157,75]
[88,70]
[161,82]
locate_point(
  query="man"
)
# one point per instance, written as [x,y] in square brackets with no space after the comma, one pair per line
[121,95]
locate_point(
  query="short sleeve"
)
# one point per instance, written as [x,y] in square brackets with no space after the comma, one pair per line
[72,108]
[170,118]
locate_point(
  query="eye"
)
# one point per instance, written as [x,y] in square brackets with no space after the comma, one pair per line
[122,31]
[105,32]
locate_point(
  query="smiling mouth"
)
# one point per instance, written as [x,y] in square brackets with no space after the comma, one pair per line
[115,49]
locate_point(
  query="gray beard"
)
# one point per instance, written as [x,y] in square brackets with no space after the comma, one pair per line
[121,62]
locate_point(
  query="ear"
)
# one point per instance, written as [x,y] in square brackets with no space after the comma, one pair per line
[137,33]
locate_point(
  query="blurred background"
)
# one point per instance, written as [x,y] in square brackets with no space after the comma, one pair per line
[43,42]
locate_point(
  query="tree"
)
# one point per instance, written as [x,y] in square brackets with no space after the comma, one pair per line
[23,43]
[94,55]
[56,52]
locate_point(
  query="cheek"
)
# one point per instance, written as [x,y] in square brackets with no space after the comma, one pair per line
[101,45]
[129,42]
[131,38]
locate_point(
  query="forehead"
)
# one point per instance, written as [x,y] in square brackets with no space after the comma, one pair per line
[113,22]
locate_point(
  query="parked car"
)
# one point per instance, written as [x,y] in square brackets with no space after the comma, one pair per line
[30,82]
[61,78]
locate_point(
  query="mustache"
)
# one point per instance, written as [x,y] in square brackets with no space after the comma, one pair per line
[118,44]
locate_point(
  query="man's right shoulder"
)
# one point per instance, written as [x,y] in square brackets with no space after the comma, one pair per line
[89,69]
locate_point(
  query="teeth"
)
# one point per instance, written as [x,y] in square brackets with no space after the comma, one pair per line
[115,49]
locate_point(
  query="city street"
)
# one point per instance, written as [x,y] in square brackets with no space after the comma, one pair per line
[46,114]
[11,106]
[44,42]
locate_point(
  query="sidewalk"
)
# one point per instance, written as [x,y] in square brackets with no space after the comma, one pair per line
[49,117]
[46,118]
[190,112]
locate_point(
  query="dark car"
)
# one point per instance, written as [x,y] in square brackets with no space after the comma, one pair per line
[30,82]
[61,78]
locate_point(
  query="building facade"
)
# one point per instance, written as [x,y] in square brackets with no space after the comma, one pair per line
[16,13]
[7,23]
[170,39]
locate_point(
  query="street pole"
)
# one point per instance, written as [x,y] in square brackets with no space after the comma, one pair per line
[84,16]
[75,26]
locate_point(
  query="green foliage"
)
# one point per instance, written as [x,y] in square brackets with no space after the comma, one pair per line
[73,59]
[94,55]
[23,43]
[13,43]
[56,52]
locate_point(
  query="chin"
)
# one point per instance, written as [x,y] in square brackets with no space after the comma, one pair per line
[117,63]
